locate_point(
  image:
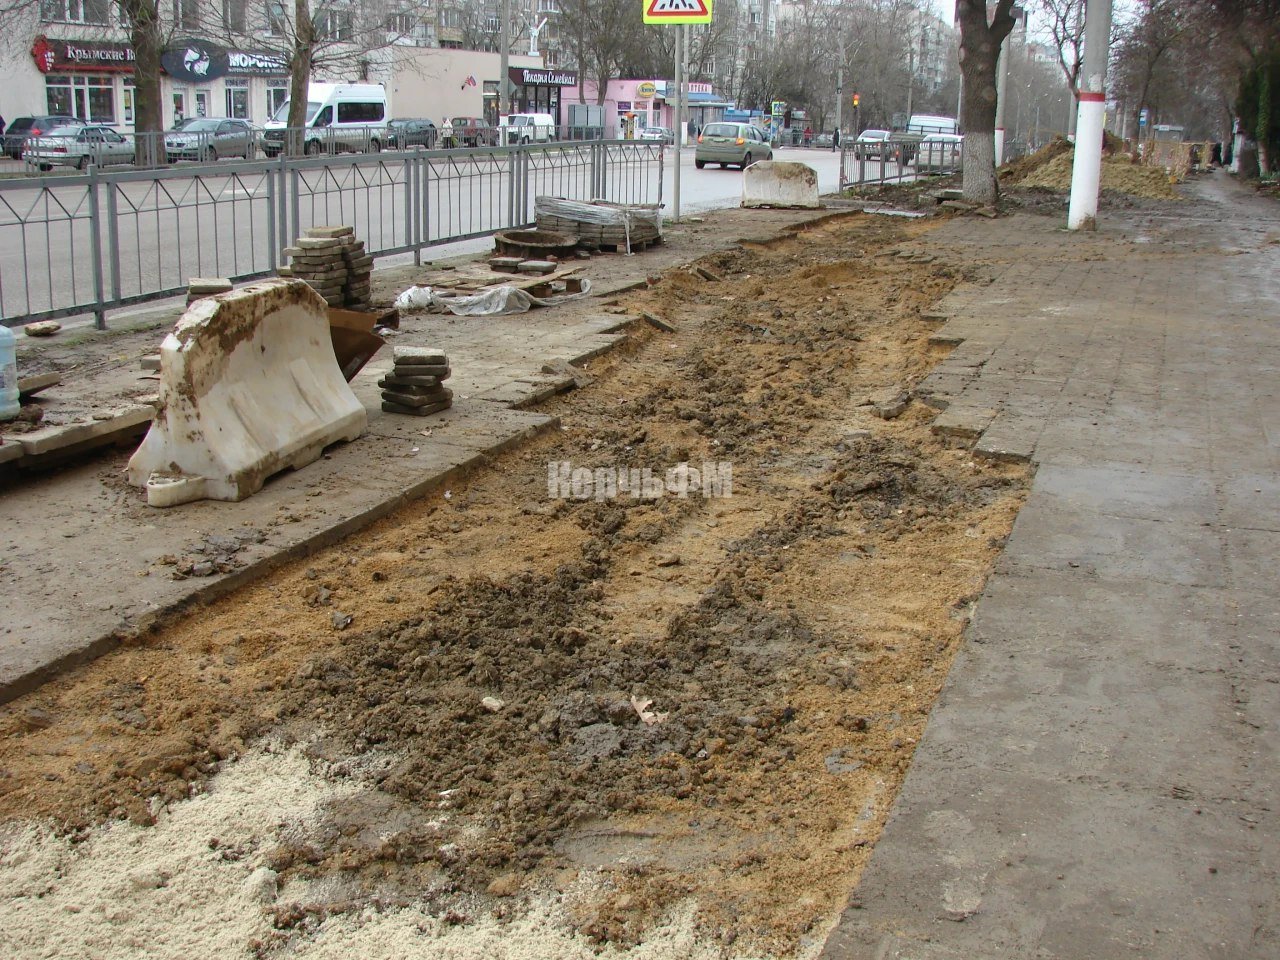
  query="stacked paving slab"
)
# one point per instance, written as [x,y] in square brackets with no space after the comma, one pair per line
[200,287]
[334,263]
[415,386]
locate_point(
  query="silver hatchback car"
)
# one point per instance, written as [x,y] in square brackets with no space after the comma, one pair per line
[726,143]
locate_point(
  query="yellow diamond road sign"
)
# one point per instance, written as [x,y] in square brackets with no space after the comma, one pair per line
[677,11]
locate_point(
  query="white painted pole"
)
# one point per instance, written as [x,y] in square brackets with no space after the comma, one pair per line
[1002,83]
[504,62]
[679,121]
[1086,171]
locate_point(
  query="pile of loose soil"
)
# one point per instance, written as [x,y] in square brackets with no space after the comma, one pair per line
[701,702]
[1018,170]
[1119,176]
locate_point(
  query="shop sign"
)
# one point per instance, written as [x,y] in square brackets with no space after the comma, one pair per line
[195,61]
[527,76]
[246,64]
[646,90]
[58,56]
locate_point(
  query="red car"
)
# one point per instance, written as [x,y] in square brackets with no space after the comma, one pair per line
[469,132]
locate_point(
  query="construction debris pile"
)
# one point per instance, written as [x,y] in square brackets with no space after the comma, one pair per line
[334,263]
[415,386]
[601,225]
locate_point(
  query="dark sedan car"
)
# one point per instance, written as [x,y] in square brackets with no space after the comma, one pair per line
[16,134]
[404,134]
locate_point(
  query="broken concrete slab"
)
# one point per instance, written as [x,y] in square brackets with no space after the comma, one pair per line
[780,183]
[30,386]
[106,427]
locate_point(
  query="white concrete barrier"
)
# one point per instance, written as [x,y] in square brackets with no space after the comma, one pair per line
[780,183]
[248,386]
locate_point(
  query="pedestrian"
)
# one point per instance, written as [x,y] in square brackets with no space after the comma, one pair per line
[808,136]
[835,140]
[446,133]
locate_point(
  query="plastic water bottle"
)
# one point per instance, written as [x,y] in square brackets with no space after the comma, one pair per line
[9,405]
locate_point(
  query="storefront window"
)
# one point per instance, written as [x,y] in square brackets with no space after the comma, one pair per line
[126,99]
[238,99]
[276,96]
[85,98]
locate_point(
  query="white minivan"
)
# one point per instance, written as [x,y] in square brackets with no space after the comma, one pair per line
[341,117]
[528,128]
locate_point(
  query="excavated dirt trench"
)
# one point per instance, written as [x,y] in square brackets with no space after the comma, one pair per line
[623,707]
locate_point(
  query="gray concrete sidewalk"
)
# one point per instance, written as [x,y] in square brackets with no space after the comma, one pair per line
[86,564]
[1099,778]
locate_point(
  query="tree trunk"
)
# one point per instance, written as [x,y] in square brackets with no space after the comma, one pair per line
[1263,134]
[980,42]
[148,109]
[304,44]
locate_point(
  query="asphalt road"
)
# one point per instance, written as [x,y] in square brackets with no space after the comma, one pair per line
[169,230]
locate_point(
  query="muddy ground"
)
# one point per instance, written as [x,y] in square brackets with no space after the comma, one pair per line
[626,707]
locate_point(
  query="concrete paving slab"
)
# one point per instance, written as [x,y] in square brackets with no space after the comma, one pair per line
[1097,780]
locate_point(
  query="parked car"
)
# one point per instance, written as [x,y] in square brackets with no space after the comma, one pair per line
[402,134]
[822,140]
[21,128]
[77,146]
[210,139]
[663,134]
[726,143]
[939,153]
[871,143]
[340,117]
[472,132]
[528,128]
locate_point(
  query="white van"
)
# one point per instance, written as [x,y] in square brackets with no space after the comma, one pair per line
[925,123]
[528,128]
[341,117]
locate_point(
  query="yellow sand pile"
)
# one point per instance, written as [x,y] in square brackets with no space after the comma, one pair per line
[1118,174]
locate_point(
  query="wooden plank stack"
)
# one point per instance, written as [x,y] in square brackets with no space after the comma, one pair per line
[415,386]
[334,263]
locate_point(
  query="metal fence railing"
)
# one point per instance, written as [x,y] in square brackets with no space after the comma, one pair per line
[73,148]
[93,241]
[898,160]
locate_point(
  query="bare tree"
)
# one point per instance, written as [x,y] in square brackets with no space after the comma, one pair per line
[329,37]
[1144,49]
[1065,23]
[980,42]
[601,34]
[148,31]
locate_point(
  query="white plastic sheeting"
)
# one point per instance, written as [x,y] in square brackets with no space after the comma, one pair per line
[488,302]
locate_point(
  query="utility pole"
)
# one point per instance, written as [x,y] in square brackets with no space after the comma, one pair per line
[840,84]
[679,120]
[1086,170]
[1002,84]
[504,80]
[911,78]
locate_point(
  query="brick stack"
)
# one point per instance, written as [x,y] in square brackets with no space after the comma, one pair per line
[334,263]
[415,386]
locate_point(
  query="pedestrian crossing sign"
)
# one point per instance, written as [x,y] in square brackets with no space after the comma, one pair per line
[677,11]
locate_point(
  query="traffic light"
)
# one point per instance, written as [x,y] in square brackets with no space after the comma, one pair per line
[856,98]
